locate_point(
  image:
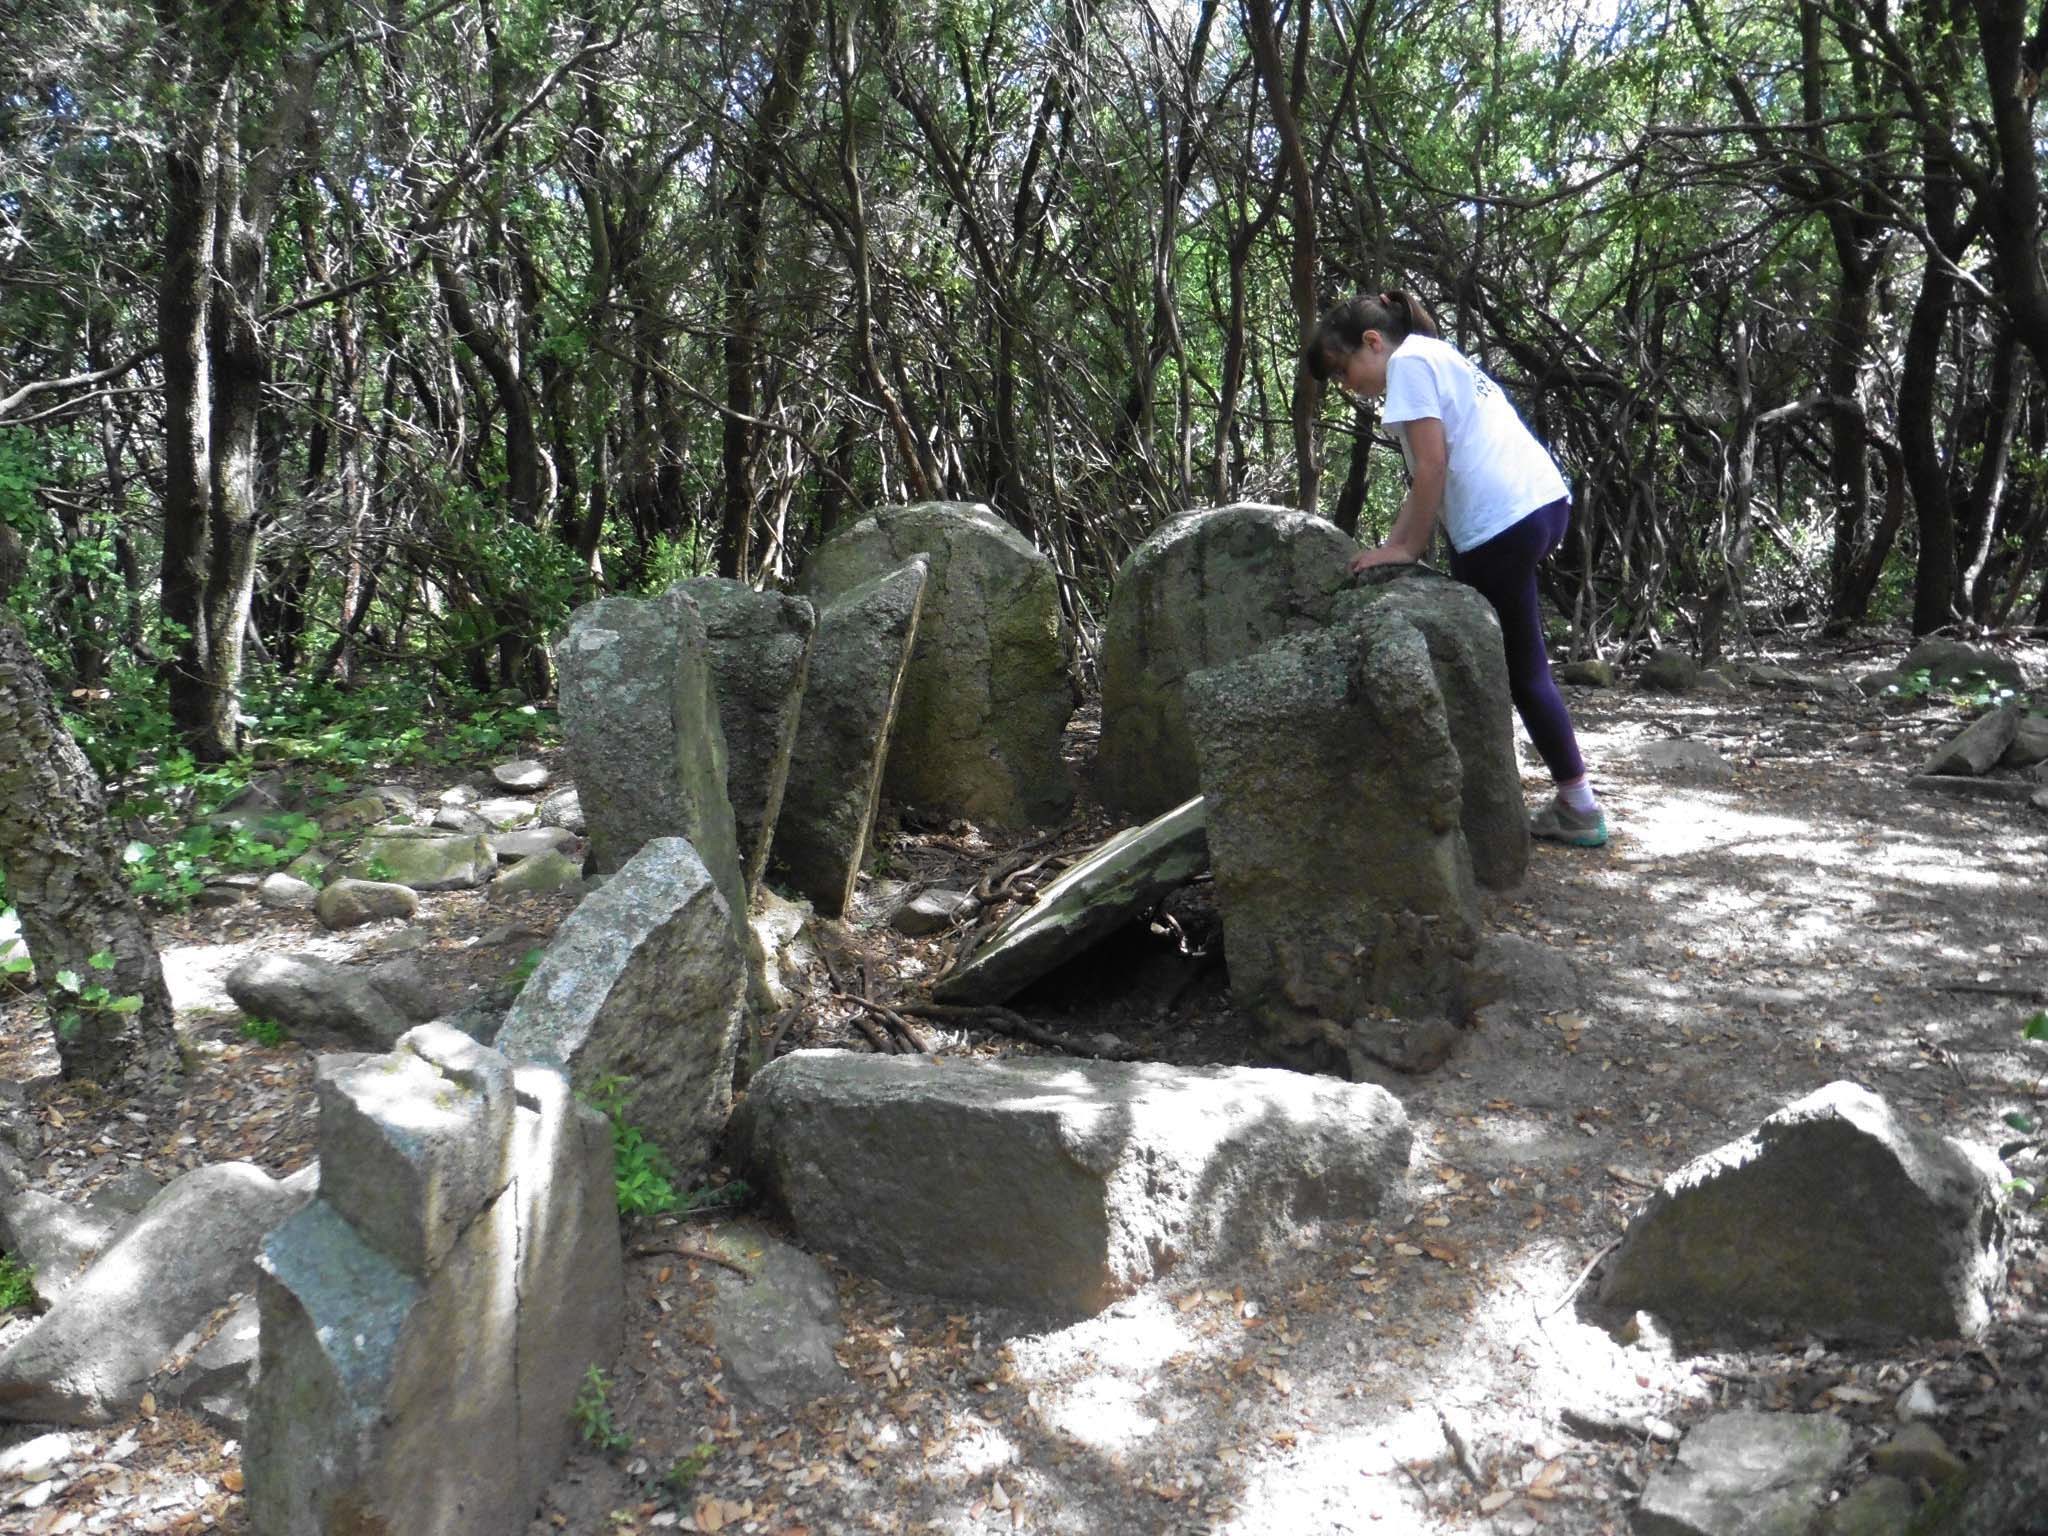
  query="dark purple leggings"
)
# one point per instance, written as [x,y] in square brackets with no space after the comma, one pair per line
[1504,571]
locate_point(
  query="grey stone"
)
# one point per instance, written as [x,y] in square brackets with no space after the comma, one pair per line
[640,715]
[90,1357]
[1114,884]
[539,875]
[310,865]
[126,1194]
[320,1002]
[759,645]
[1745,1473]
[776,1326]
[353,815]
[1835,1216]
[1917,1451]
[286,893]
[1465,648]
[858,662]
[1687,760]
[216,1379]
[1714,680]
[361,1418]
[522,774]
[1876,683]
[1335,834]
[37,1460]
[459,795]
[933,911]
[2006,1493]
[1057,1185]
[402,981]
[1533,977]
[424,863]
[1956,664]
[500,812]
[646,981]
[456,818]
[220,893]
[1977,748]
[511,847]
[564,809]
[52,1237]
[1586,674]
[1204,589]
[782,932]
[1882,1506]
[1669,671]
[2029,743]
[398,797]
[267,794]
[988,691]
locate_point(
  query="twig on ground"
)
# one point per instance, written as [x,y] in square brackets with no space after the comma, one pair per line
[1006,1021]
[893,1017]
[1572,1290]
[685,1251]
[1467,1464]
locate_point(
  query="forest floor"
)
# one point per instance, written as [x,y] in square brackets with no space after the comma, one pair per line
[1443,1369]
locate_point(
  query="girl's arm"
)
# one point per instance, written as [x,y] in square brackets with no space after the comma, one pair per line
[1428,462]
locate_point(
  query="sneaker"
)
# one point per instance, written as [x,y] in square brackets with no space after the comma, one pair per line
[1559,823]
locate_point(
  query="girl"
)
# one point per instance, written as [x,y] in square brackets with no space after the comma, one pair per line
[1504,506]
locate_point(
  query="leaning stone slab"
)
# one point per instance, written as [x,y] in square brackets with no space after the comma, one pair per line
[759,645]
[530,842]
[1470,659]
[417,1371]
[1835,1216]
[1335,832]
[988,692]
[646,981]
[1977,748]
[89,1358]
[640,716]
[424,863]
[775,1323]
[1745,1473]
[1054,1185]
[856,675]
[324,1004]
[1113,885]
[1204,589]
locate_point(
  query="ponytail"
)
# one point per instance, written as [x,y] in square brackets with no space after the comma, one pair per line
[1396,315]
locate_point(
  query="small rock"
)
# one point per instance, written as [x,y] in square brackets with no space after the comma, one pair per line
[2029,743]
[1669,671]
[542,873]
[460,795]
[528,842]
[776,1327]
[1714,680]
[283,892]
[311,865]
[502,812]
[351,903]
[1586,674]
[1687,759]
[562,809]
[1918,1402]
[1663,1431]
[1979,746]
[1881,1507]
[522,774]
[1745,1471]
[37,1460]
[1917,1451]
[351,815]
[455,818]
[429,862]
[220,895]
[933,911]
[1953,663]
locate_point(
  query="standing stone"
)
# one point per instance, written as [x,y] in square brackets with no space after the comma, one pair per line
[1204,589]
[645,981]
[760,651]
[1465,647]
[1335,803]
[1835,1216]
[427,1320]
[640,717]
[843,732]
[988,692]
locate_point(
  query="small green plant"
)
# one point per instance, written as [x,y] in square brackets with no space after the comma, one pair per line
[522,972]
[376,869]
[1970,691]
[265,1032]
[592,1413]
[17,1285]
[682,1475]
[76,999]
[2033,1138]
[641,1170]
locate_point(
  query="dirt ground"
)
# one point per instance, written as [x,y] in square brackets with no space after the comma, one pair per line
[1740,944]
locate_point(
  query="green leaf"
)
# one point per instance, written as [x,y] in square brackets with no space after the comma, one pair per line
[103,961]
[2020,1122]
[68,981]
[131,1003]
[2036,1028]
[16,965]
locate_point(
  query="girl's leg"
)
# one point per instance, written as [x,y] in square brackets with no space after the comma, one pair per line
[1504,571]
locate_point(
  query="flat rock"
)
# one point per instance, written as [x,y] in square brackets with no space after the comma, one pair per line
[528,841]
[1958,664]
[1114,884]
[1055,1185]
[1948,786]
[1745,1473]
[90,1357]
[323,1003]
[537,875]
[502,812]
[1977,748]
[1835,1216]
[353,815]
[424,862]
[523,774]
[286,893]
[932,911]
[457,818]
[1690,760]
[777,1326]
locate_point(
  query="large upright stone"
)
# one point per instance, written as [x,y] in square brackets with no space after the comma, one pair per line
[988,693]
[1471,664]
[645,981]
[640,718]
[1204,589]
[1057,1185]
[760,649]
[1335,802]
[843,733]
[427,1321]
[1835,1216]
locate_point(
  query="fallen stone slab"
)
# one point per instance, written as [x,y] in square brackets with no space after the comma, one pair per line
[1977,748]
[988,692]
[1836,1216]
[90,1357]
[1114,884]
[645,981]
[1745,1473]
[1690,760]
[858,661]
[426,862]
[1053,1185]
[325,1004]
[775,1325]
[759,647]
[523,773]
[1205,588]
[500,813]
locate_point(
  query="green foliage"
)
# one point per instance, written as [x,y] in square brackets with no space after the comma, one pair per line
[74,999]
[176,870]
[17,1284]
[682,1475]
[522,972]
[642,1171]
[1970,691]
[265,1032]
[592,1414]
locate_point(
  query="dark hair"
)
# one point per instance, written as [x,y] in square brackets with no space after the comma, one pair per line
[1395,314]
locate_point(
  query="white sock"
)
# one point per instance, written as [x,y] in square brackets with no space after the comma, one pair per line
[1577,795]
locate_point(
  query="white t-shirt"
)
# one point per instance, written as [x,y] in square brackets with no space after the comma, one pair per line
[1498,473]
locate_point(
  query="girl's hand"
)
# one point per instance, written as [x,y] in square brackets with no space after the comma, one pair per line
[1386,554]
